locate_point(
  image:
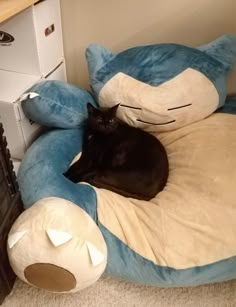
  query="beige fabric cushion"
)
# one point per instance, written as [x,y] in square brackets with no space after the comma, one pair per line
[193,220]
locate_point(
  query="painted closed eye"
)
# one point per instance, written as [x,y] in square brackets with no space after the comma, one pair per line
[143,121]
[179,107]
[158,124]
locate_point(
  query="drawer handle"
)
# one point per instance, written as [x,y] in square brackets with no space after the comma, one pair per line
[49,30]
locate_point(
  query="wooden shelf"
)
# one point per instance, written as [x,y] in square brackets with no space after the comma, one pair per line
[9,8]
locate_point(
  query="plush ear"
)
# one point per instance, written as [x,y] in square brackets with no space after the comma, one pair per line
[222,49]
[97,56]
[114,109]
[90,108]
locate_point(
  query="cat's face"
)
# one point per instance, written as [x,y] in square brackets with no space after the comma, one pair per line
[102,120]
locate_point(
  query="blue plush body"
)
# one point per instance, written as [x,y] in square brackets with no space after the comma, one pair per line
[41,175]
[64,106]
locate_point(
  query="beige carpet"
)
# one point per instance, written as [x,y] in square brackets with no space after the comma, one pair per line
[112,292]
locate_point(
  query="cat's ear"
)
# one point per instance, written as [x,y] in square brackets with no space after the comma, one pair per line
[114,109]
[90,108]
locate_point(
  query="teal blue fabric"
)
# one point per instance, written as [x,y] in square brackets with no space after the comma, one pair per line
[59,104]
[41,175]
[41,171]
[229,106]
[124,263]
[155,64]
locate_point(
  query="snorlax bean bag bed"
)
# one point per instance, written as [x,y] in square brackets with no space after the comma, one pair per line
[71,233]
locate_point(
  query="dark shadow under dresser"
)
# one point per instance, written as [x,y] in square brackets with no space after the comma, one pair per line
[10,208]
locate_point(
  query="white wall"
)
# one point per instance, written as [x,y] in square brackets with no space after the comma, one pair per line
[118,24]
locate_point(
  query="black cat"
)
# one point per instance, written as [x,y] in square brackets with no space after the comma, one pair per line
[120,158]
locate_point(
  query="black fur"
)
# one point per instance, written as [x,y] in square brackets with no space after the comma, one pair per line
[120,158]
